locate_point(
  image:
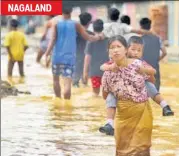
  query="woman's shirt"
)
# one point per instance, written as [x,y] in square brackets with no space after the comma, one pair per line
[127,83]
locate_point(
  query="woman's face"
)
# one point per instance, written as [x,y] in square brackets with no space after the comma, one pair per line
[117,51]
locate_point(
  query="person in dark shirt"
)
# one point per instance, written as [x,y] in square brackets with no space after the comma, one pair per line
[152,47]
[63,43]
[96,54]
[85,20]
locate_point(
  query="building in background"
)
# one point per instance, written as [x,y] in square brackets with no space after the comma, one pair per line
[165,15]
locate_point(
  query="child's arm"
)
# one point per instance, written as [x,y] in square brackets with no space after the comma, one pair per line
[109,67]
[7,43]
[164,51]
[105,94]
[105,67]
[147,70]
[152,79]
[9,52]
[87,61]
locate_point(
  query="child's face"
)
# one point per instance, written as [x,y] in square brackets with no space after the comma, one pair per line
[135,51]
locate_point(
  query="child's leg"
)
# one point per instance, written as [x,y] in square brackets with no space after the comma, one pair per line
[111,111]
[166,108]
[10,67]
[111,102]
[151,90]
[96,83]
[21,68]
[96,91]
[155,95]
[158,99]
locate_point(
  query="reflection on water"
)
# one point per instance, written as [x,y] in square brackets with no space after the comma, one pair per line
[16,80]
[39,125]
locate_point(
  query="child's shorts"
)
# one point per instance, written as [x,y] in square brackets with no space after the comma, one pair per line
[111,101]
[96,81]
[151,89]
[63,70]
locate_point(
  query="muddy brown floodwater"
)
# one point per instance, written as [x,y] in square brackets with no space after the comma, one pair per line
[38,125]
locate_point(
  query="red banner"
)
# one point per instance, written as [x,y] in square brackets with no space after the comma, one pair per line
[31,7]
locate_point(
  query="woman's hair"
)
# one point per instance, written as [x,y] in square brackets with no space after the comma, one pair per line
[136,40]
[119,38]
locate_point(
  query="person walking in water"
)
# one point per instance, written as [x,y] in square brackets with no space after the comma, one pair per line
[133,120]
[95,55]
[135,51]
[16,44]
[45,39]
[85,20]
[152,47]
[64,34]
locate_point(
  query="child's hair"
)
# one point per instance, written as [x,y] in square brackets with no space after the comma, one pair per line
[145,23]
[126,19]
[98,25]
[67,10]
[119,38]
[135,39]
[14,23]
[85,18]
[114,14]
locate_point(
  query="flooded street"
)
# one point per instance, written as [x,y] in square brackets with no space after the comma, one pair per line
[38,125]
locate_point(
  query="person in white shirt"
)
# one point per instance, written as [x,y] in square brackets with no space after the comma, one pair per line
[114,28]
[126,19]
